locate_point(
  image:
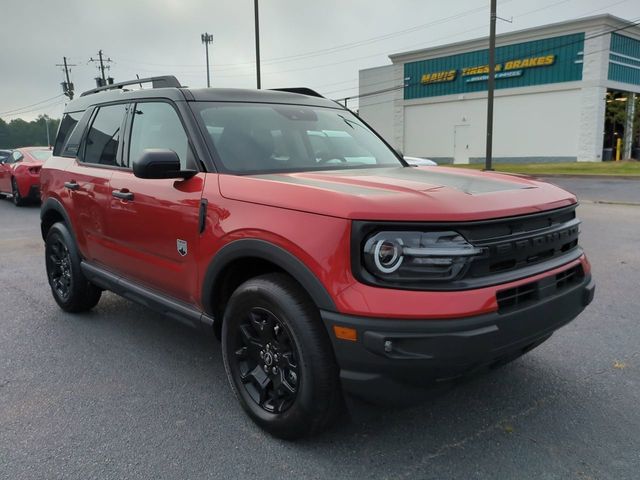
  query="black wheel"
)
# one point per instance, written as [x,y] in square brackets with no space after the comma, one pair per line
[71,290]
[279,359]
[18,201]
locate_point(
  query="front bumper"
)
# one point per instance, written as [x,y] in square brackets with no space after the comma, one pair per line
[391,356]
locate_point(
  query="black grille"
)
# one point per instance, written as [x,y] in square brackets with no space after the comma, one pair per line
[519,297]
[513,248]
[517,243]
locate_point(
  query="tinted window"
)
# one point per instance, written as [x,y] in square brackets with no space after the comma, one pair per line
[4,155]
[68,123]
[157,125]
[266,138]
[101,143]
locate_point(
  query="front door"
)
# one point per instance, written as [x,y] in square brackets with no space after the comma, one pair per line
[461,144]
[155,231]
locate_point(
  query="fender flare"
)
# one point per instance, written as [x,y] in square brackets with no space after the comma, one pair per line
[243,248]
[55,205]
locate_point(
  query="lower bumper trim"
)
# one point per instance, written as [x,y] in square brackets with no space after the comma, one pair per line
[417,352]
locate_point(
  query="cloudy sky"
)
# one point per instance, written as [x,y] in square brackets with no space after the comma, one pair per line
[320,44]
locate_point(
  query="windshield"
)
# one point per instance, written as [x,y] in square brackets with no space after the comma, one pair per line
[41,155]
[256,138]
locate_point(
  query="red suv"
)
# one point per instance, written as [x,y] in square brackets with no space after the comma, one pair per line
[281,223]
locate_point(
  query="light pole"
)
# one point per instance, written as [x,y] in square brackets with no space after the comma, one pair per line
[46,124]
[207,39]
[257,27]
[488,165]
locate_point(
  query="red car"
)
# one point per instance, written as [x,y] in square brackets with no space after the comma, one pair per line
[20,174]
[280,222]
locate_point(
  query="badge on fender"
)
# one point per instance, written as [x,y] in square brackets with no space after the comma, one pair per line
[181,245]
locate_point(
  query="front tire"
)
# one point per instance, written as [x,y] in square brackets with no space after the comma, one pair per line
[70,289]
[279,359]
[18,200]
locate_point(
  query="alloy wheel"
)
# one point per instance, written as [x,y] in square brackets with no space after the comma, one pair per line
[266,361]
[59,263]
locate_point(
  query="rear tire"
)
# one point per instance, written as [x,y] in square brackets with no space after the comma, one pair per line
[279,359]
[70,289]
[18,201]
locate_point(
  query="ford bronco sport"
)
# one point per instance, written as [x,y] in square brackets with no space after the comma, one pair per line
[281,223]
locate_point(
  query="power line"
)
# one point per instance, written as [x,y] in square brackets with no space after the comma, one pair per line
[329,50]
[633,23]
[483,27]
[42,108]
[8,112]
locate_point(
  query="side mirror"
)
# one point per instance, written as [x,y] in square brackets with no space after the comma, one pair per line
[156,163]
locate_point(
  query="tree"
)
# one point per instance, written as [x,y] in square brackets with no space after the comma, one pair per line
[21,133]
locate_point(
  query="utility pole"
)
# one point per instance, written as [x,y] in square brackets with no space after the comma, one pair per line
[67,86]
[46,124]
[491,85]
[207,39]
[257,28]
[101,81]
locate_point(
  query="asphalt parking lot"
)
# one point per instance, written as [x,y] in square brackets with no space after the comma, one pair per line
[124,393]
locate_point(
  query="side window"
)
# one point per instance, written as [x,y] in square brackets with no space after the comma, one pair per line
[103,138]
[157,125]
[68,123]
[16,157]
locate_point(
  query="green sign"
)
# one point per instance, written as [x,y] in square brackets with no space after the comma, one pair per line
[538,62]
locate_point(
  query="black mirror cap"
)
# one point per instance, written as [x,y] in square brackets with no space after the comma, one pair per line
[158,163]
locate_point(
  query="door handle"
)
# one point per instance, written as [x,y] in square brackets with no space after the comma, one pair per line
[123,194]
[72,185]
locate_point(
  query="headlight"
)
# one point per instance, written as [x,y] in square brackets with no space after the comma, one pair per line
[418,256]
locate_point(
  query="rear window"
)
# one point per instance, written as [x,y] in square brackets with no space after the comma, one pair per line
[260,138]
[68,123]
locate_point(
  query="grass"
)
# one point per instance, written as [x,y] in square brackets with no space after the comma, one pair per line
[628,168]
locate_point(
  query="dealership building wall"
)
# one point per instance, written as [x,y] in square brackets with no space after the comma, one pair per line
[550,98]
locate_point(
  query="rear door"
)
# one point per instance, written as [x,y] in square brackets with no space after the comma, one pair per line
[154,233]
[87,179]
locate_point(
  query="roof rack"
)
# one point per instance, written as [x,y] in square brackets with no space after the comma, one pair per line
[299,90]
[164,81]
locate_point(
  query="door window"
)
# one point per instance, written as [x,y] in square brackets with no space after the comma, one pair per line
[103,138]
[157,125]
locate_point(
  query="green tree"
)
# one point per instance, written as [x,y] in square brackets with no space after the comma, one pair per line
[21,133]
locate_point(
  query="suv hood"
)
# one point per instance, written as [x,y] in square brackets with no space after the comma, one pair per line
[399,193]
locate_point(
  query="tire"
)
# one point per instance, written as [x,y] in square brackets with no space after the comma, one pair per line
[271,322]
[70,289]
[18,200]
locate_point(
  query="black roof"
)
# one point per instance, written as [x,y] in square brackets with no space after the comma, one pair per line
[181,94]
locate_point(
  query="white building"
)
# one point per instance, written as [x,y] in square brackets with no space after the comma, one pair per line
[552,87]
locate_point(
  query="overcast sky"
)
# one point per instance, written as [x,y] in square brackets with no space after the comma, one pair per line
[320,44]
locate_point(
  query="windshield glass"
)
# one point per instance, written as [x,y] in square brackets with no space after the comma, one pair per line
[41,155]
[256,138]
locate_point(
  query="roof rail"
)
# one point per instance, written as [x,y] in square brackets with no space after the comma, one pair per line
[299,90]
[156,82]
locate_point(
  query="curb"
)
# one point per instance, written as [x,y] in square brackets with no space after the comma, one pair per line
[610,202]
[585,176]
